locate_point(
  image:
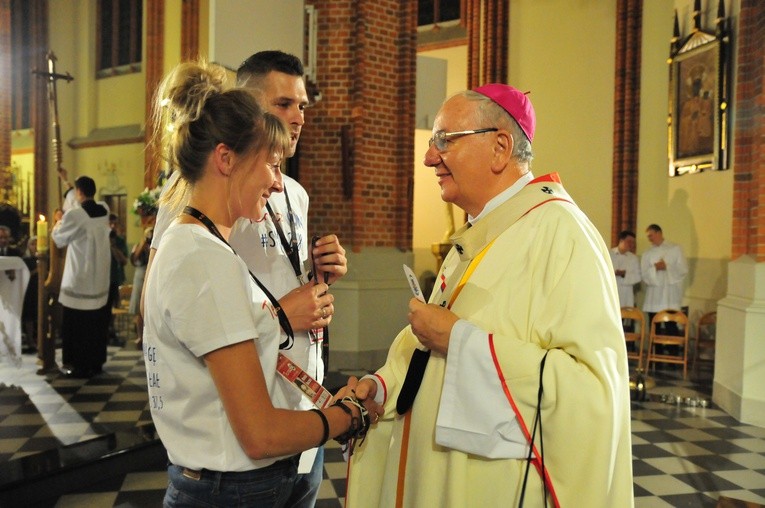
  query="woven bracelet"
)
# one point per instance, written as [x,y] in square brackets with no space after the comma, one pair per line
[326,426]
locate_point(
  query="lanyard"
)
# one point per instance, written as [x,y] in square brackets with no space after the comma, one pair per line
[283,320]
[290,247]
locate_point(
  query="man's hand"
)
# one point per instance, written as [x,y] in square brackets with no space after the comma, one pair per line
[364,390]
[329,257]
[431,324]
[621,273]
[660,265]
[308,307]
[62,173]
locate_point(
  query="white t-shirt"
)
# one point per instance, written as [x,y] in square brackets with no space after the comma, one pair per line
[258,243]
[199,298]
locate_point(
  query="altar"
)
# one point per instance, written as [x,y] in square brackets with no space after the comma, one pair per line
[14,277]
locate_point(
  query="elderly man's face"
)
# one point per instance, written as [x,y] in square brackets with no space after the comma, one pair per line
[463,167]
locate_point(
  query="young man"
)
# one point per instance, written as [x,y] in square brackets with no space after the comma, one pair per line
[276,248]
[664,268]
[626,268]
[84,230]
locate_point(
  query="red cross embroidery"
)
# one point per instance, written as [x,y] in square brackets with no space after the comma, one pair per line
[443,282]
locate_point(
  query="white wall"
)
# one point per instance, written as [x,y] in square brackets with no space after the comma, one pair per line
[240,28]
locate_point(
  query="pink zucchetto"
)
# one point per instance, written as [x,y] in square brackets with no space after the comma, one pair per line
[515,102]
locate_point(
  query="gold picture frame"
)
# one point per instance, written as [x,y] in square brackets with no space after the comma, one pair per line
[698,100]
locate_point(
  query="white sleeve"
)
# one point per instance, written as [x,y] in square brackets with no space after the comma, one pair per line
[648,269]
[632,276]
[66,229]
[677,266]
[381,395]
[474,414]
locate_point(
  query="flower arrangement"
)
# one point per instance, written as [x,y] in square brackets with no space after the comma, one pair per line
[146,202]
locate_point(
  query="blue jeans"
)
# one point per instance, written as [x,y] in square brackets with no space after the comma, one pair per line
[306,488]
[269,487]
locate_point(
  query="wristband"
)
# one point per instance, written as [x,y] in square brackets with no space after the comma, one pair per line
[325,423]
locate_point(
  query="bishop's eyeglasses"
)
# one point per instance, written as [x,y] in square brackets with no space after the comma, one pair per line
[440,138]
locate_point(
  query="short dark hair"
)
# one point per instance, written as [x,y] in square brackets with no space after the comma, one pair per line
[263,62]
[113,217]
[86,185]
[626,234]
[654,227]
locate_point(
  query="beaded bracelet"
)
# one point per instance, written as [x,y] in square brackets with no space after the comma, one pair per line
[326,426]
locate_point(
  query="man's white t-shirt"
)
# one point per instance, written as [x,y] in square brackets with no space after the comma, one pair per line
[258,243]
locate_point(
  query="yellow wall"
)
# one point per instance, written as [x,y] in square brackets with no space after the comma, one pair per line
[562,51]
[566,60]
[87,104]
[693,210]
[430,221]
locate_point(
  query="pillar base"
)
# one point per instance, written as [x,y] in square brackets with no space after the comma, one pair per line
[371,307]
[740,351]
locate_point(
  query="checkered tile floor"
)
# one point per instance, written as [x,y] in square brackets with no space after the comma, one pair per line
[682,455]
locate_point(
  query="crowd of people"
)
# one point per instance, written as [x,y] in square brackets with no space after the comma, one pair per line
[503,384]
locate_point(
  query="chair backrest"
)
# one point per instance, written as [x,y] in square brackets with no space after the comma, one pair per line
[638,319]
[706,329]
[633,313]
[667,316]
[125,291]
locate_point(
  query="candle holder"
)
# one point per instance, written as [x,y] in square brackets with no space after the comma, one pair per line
[46,344]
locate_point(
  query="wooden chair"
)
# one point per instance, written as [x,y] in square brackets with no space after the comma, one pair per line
[637,335]
[656,338]
[123,320]
[706,331]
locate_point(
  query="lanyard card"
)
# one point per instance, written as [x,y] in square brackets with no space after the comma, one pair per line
[297,377]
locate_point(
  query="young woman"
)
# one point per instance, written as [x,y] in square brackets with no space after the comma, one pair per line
[211,338]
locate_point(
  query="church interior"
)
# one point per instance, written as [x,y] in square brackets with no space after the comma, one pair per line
[609,82]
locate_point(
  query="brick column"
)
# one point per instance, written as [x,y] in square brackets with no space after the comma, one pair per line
[740,352]
[356,162]
[366,73]
[155,43]
[189,29]
[5,83]
[629,26]
[488,37]
[749,164]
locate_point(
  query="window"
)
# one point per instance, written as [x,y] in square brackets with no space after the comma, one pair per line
[118,41]
[448,10]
